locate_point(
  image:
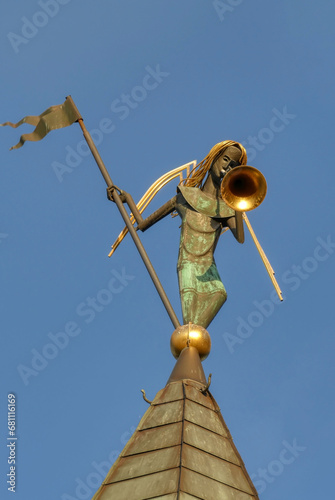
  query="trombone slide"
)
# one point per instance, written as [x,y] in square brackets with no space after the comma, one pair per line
[264,258]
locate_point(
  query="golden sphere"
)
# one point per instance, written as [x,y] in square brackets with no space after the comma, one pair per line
[190,335]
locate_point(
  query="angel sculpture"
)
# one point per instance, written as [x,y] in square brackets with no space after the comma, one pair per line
[201,202]
[204,215]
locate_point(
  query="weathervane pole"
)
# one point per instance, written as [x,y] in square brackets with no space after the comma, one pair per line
[113,190]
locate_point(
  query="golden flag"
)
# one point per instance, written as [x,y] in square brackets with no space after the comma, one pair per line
[53,118]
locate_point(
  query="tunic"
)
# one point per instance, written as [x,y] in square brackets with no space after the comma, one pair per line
[202,292]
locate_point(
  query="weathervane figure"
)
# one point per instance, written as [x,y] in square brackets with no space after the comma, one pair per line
[201,202]
[204,215]
[182,447]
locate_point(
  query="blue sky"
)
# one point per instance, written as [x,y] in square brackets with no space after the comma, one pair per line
[257,72]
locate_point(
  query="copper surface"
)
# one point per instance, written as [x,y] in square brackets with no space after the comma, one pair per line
[192,393]
[145,463]
[163,414]
[210,466]
[182,449]
[206,440]
[154,439]
[140,488]
[207,489]
[171,392]
[188,366]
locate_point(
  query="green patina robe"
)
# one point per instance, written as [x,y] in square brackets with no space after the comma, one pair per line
[202,292]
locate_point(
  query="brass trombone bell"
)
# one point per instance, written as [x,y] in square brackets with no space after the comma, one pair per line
[243,188]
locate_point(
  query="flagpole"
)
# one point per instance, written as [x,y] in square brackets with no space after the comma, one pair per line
[124,214]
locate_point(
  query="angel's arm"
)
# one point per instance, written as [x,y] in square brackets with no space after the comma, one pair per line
[159,214]
[235,224]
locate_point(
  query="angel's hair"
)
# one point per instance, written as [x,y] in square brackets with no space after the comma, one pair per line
[197,174]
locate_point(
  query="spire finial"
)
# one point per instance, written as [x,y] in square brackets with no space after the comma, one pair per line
[190,335]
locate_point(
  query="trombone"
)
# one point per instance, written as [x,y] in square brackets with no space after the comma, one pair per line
[244,188]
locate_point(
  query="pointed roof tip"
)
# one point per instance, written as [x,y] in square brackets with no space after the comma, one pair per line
[188,366]
[182,449]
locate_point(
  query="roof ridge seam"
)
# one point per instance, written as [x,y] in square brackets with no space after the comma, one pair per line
[181,442]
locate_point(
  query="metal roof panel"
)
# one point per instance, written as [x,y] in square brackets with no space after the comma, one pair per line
[215,468]
[181,449]
[144,464]
[194,394]
[205,488]
[204,417]
[163,414]
[141,488]
[206,440]
[172,392]
[154,439]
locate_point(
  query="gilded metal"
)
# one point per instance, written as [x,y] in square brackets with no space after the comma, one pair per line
[151,193]
[243,188]
[264,258]
[190,335]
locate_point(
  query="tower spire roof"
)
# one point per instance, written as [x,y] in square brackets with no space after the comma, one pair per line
[188,366]
[182,448]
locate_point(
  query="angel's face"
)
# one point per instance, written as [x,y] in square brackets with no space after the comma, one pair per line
[221,163]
